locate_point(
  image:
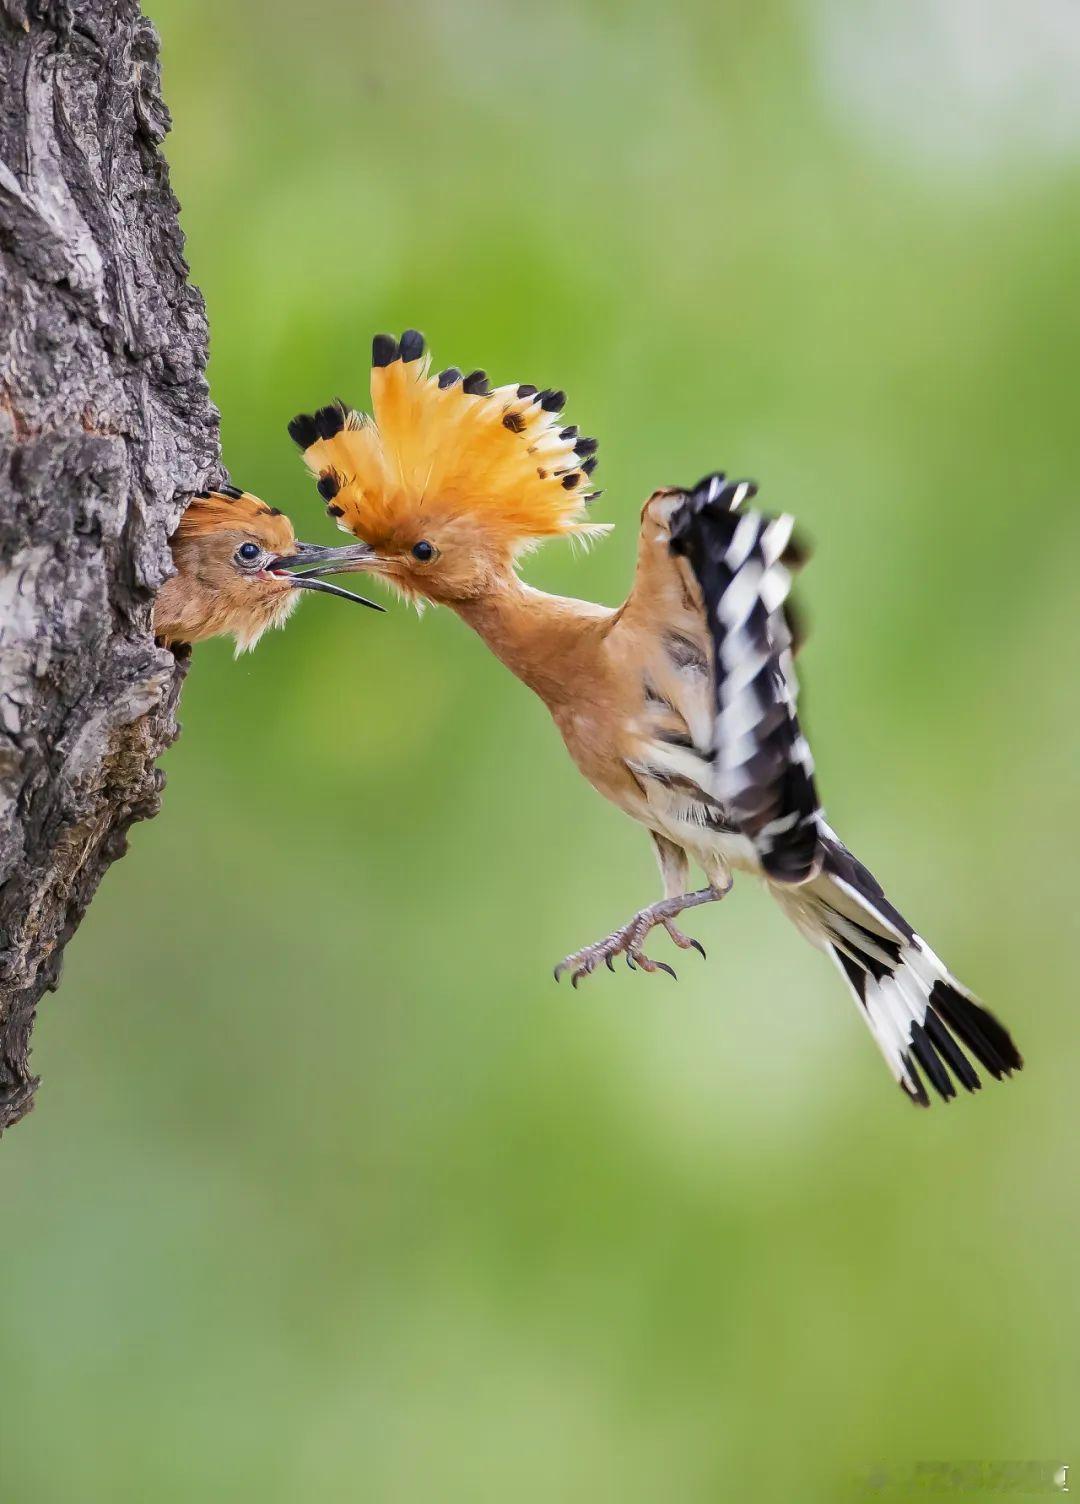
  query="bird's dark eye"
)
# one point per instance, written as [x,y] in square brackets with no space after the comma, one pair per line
[423,551]
[248,551]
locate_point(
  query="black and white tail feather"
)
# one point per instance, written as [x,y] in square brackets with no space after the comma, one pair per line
[763,774]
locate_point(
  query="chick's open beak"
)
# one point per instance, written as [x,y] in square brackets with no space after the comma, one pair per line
[309,561]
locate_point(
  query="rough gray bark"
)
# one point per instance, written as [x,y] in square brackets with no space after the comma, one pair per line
[105,426]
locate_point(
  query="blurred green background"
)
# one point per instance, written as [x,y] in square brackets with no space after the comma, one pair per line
[330,1193]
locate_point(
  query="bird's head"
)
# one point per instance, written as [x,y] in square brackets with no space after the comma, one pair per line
[234,558]
[450,481]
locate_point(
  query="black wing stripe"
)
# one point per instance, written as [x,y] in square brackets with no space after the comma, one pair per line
[763,768]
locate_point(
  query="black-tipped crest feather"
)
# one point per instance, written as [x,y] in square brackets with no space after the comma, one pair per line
[302,430]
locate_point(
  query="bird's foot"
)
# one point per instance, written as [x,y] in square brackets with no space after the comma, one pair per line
[684,942]
[628,940]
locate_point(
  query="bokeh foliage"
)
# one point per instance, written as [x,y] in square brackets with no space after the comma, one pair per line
[330,1193]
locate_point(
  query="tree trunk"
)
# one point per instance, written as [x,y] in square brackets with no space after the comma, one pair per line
[105,428]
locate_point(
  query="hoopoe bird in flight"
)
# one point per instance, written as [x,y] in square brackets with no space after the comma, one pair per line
[679,705]
[233,557]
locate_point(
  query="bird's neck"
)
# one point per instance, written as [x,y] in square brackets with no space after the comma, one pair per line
[545,640]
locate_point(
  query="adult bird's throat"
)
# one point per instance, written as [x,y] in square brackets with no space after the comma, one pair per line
[540,638]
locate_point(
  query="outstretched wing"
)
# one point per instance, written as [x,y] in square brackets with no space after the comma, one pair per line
[763,771]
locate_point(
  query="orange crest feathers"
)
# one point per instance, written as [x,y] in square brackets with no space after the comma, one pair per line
[453,446]
[226,508]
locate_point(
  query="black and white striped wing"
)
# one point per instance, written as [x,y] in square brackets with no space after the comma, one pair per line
[762,770]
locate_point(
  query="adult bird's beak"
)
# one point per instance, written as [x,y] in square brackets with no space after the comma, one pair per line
[309,561]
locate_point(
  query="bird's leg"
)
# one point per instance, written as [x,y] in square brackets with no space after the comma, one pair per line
[627,940]
[675,872]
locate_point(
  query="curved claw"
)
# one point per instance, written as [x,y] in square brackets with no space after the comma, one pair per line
[575,979]
[697,945]
[609,963]
[557,972]
[630,961]
[663,966]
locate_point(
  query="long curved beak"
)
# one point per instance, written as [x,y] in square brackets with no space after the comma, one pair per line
[310,561]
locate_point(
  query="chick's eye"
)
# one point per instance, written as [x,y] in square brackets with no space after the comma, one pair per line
[248,551]
[423,551]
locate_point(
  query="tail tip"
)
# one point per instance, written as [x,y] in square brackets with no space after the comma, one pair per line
[976,1027]
[953,1015]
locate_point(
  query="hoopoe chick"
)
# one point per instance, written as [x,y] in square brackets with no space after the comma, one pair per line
[679,705]
[233,557]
